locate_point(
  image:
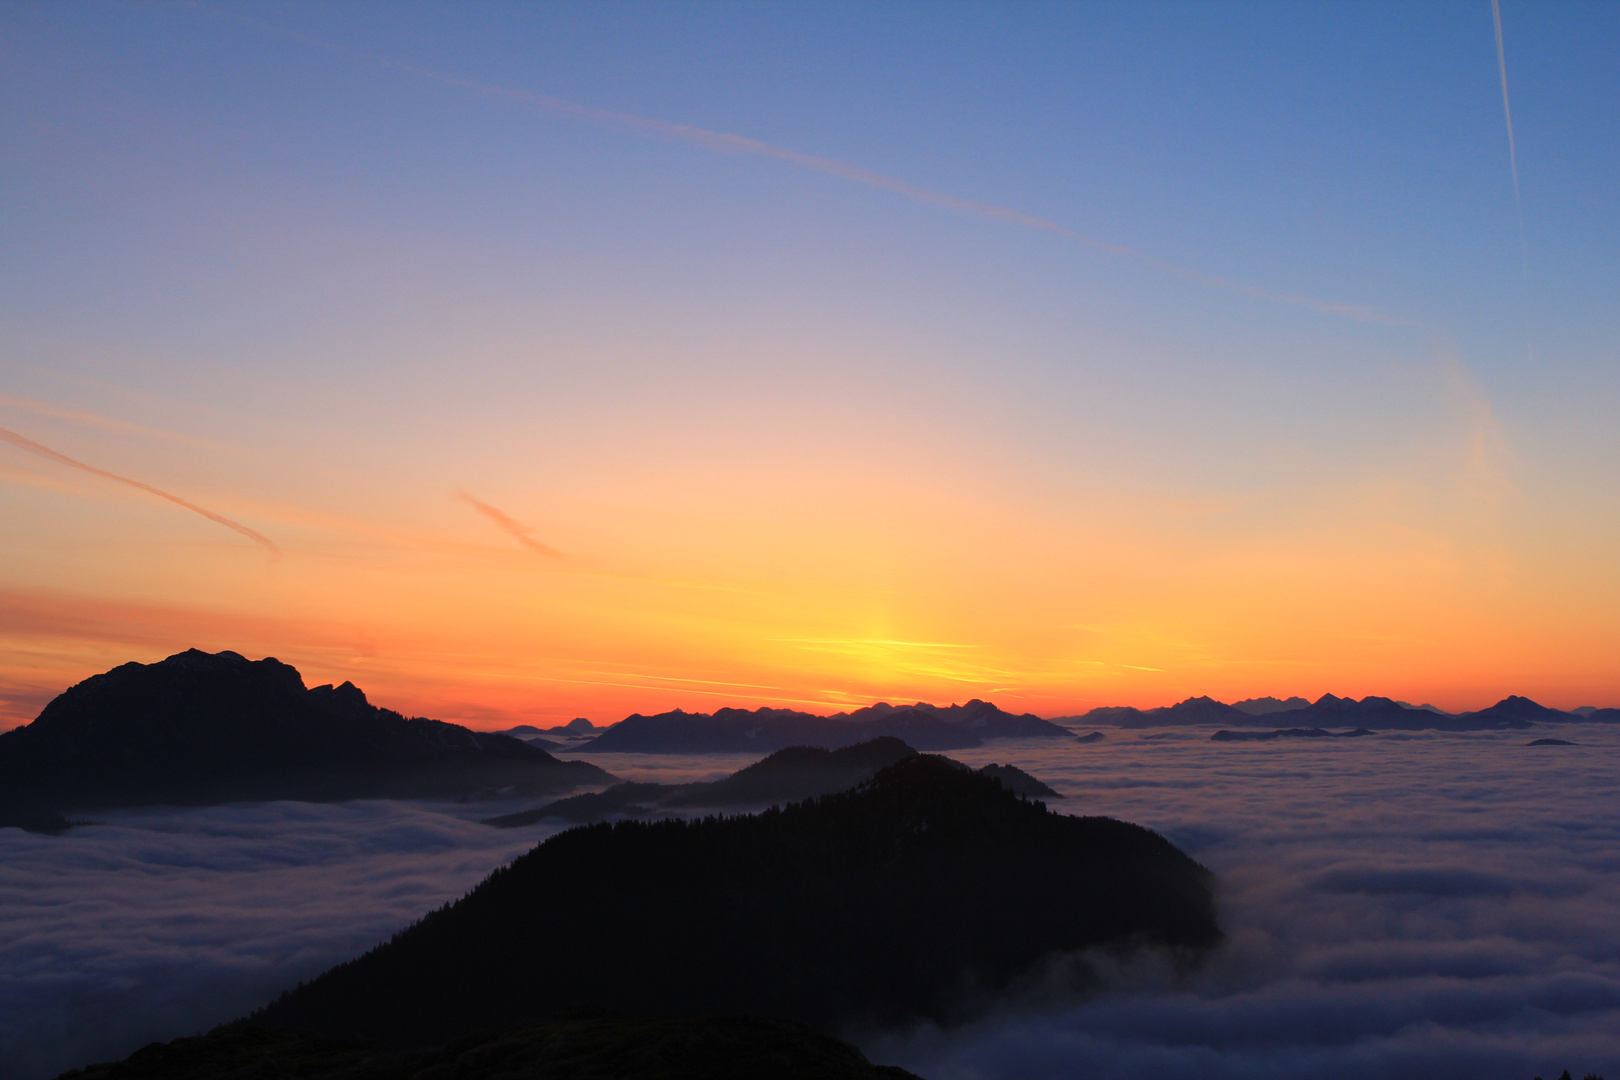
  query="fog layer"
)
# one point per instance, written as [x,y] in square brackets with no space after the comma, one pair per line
[1399,906]
[1426,905]
[162,923]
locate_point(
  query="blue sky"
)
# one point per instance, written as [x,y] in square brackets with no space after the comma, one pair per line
[284,229]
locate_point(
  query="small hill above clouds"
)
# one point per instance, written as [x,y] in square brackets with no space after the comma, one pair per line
[203,728]
[926,727]
[790,775]
[905,897]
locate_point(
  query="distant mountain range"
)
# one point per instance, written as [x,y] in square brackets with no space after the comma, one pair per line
[201,728]
[1373,713]
[912,895]
[926,727]
[787,776]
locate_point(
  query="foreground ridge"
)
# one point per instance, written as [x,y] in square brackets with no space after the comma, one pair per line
[910,896]
[709,1048]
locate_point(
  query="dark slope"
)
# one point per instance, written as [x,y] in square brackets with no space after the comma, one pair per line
[710,1048]
[790,775]
[880,903]
[927,727]
[202,728]
[1018,781]
[620,800]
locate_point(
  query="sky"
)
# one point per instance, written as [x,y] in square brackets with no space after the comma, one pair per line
[523,362]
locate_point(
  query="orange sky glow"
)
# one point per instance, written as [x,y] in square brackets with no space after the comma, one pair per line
[516,374]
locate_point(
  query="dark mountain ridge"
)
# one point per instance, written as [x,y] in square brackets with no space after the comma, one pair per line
[1375,713]
[897,899]
[204,728]
[926,727]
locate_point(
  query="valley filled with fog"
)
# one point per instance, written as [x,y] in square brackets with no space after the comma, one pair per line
[1400,905]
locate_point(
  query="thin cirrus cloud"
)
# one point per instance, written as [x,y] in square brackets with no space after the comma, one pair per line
[32,447]
[728,143]
[95,420]
[516,529]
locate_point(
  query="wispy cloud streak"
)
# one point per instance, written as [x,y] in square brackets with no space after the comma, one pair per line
[48,454]
[516,529]
[1507,114]
[726,143]
[41,408]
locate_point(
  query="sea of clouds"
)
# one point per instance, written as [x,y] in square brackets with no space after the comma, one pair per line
[1399,905]
[162,923]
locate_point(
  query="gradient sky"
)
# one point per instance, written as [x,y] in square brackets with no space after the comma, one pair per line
[557,360]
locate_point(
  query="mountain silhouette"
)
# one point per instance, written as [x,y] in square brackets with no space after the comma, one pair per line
[926,727]
[904,897]
[790,775]
[604,1048]
[1375,713]
[204,728]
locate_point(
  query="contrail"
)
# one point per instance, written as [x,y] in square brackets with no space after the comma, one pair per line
[51,455]
[1507,114]
[522,533]
[725,143]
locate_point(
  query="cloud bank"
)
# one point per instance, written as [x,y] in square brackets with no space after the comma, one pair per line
[1401,906]
[162,923]
[1404,905]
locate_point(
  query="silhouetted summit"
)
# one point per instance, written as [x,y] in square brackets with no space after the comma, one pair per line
[904,897]
[201,728]
[927,727]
